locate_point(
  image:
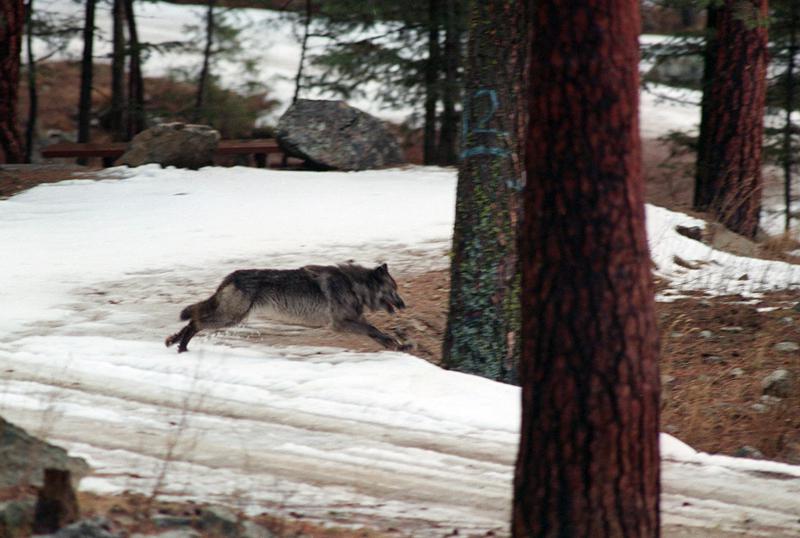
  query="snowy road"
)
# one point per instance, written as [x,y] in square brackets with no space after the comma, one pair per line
[100,270]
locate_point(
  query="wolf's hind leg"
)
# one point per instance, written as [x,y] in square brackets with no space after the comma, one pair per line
[361,326]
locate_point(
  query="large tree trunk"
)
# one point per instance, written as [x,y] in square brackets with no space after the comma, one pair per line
[87,71]
[732,133]
[136,116]
[789,88]
[117,123]
[702,190]
[12,14]
[451,90]
[588,463]
[432,66]
[33,96]
[202,83]
[483,324]
[303,49]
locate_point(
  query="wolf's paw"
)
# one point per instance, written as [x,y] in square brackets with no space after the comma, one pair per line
[170,341]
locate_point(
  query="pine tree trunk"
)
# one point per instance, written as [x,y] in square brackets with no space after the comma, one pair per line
[136,117]
[87,72]
[482,335]
[702,188]
[118,131]
[788,161]
[303,49]
[12,15]
[432,67]
[734,127]
[202,83]
[33,96]
[450,94]
[588,463]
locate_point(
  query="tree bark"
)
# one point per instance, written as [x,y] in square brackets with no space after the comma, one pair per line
[734,111]
[202,83]
[117,123]
[303,48]
[136,116]
[12,14]
[450,95]
[588,463]
[702,189]
[87,72]
[788,161]
[432,67]
[33,96]
[483,324]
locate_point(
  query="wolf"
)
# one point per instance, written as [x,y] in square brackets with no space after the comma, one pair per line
[333,296]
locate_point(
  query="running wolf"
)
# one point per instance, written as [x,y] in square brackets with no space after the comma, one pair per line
[315,295]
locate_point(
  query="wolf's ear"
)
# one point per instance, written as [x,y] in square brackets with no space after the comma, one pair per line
[383,268]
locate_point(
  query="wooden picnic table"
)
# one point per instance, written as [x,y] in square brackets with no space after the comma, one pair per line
[260,149]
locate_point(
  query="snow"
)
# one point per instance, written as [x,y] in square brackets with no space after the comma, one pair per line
[100,270]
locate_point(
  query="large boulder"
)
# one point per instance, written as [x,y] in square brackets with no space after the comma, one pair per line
[173,144]
[334,135]
[23,458]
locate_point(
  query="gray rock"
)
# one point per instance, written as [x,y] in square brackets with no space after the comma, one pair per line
[23,458]
[334,135]
[759,408]
[778,383]
[732,329]
[219,520]
[164,521]
[88,528]
[787,347]
[736,372]
[677,70]
[16,516]
[787,320]
[175,533]
[706,334]
[713,359]
[173,144]
[770,400]
[250,529]
[748,451]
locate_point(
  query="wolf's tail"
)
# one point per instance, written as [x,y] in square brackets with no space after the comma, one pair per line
[199,311]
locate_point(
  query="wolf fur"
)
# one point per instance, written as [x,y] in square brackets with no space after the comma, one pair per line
[333,296]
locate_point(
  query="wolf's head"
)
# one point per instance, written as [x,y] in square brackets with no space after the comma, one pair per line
[384,290]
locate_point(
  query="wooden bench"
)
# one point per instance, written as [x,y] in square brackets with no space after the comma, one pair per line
[260,149]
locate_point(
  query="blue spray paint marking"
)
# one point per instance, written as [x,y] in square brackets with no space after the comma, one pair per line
[481,127]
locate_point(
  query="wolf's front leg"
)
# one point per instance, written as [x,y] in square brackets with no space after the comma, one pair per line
[361,326]
[183,336]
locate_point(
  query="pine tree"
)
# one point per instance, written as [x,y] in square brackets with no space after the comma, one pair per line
[729,181]
[482,335]
[87,74]
[12,13]
[588,463]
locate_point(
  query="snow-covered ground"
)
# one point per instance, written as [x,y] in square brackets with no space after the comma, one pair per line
[96,272]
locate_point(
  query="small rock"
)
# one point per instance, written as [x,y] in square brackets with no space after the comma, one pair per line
[675,334]
[692,232]
[165,521]
[16,517]
[748,451]
[787,320]
[744,277]
[778,383]
[175,533]
[250,529]
[671,428]
[733,329]
[219,520]
[713,359]
[787,346]
[737,372]
[706,334]
[667,379]
[759,408]
[770,400]
[796,307]
[99,527]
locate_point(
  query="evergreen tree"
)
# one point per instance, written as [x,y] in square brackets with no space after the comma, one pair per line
[588,463]
[87,74]
[12,13]
[482,335]
[729,181]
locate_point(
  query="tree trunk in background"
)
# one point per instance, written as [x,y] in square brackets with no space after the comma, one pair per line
[87,71]
[734,111]
[118,130]
[432,67]
[136,117]
[702,190]
[450,92]
[483,324]
[303,47]
[588,463]
[12,14]
[33,96]
[202,83]
[789,88]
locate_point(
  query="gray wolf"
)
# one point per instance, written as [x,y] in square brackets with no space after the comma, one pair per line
[333,296]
